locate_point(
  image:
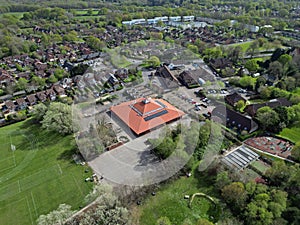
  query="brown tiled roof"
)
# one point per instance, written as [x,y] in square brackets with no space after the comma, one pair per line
[41,96]
[31,99]
[20,101]
[10,105]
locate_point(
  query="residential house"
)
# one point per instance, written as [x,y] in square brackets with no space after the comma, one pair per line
[5,98]
[234,120]
[112,79]
[234,98]
[252,109]
[25,75]
[31,99]
[9,106]
[122,73]
[50,93]
[41,96]
[19,93]
[21,104]
[59,90]
[220,63]
[5,78]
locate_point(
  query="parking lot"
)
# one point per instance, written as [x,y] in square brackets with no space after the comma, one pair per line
[187,101]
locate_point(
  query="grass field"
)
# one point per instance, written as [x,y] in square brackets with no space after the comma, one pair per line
[292,134]
[169,201]
[39,175]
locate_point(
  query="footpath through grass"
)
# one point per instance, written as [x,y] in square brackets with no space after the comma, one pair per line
[39,175]
[169,201]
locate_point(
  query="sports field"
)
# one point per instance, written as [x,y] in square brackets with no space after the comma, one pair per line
[39,175]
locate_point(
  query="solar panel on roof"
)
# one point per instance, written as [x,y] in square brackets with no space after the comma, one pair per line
[163,112]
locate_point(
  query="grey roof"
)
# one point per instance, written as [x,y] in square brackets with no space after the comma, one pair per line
[240,158]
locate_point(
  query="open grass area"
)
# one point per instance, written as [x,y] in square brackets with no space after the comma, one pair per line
[169,201]
[243,45]
[246,45]
[39,175]
[260,166]
[117,59]
[292,134]
[16,14]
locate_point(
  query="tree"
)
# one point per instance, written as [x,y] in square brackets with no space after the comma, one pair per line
[284,59]
[267,118]
[257,213]
[57,216]
[165,147]
[247,82]
[163,221]
[252,65]
[59,73]
[58,118]
[260,82]
[39,111]
[252,48]
[89,12]
[52,79]
[222,180]
[283,12]
[280,173]
[276,69]
[296,151]
[22,84]
[203,221]
[193,48]
[235,53]
[240,105]
[153,61]
[71,36]
[38,81]
[95,43]
[108,211]
[235,195]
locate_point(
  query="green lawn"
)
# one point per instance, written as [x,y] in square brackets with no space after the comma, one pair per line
[116,59]
[39,175]
[260,166]
[17,14]
[169,201]
[292,134]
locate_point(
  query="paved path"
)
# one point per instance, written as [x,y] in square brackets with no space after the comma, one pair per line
[133,163]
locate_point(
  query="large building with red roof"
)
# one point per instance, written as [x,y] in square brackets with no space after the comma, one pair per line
[143,114]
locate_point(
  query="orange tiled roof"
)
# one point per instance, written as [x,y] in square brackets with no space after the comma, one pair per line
[145,114]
